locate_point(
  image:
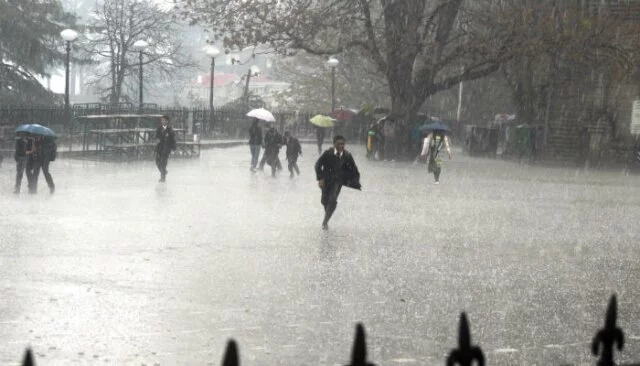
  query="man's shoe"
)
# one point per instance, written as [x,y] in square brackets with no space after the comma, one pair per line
[52,190]
[436,183]
[16,191]
[325,227]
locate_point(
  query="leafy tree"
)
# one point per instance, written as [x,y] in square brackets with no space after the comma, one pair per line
[357,82]
[420,46]
[30,45]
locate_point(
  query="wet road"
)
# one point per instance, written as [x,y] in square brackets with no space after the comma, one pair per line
[116,268]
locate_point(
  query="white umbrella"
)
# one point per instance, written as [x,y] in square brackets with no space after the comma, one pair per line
[262,114]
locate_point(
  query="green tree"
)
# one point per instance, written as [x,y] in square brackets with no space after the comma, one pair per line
[30,45]
[420,46]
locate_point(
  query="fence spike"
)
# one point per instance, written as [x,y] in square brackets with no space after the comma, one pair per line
[28,358]
[609,336]
[465,354]
[231,354]
[359,352]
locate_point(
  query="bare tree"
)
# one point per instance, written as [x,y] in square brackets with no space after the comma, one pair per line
[116,26]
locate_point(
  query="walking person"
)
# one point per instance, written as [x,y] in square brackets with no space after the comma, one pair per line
[335,168]
[48,153]
[320,138]
[269,143]
[166,143]
[34,163]
[272,144]
[44,151]
[255,143]
[431,150]
[21,159]
[294,150]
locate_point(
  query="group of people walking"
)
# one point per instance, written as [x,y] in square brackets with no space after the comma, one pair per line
[32,154]
[272,142]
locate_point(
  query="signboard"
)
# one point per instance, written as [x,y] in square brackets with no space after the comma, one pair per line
[635,118]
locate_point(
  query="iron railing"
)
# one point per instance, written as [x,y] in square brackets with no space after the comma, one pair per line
[603,345]
[219,123]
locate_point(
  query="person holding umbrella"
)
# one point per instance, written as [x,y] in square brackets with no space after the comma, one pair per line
[37,154]
[255,143]
[21,158]
[335,168]
[431,148]
[42,153]
[322,123]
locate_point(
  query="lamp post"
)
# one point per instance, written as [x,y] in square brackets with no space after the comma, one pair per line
[333,63]
[140,45]
[69,35]
[253,71]
[213,53]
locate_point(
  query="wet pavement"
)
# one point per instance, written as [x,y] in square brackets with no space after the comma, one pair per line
[118,269]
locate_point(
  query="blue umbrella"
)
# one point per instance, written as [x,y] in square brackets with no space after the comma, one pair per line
[436,126]
[36,129]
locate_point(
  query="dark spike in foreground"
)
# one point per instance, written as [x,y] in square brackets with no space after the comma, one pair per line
[466,353]
[359,352]
[231,354]
[609,336]
[28,358]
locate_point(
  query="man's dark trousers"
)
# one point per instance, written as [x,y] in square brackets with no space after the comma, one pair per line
[329,199]
[293,164]
[162,158]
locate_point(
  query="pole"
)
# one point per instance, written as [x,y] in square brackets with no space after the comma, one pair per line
[67,114]
[246,88]
[333,89]
[140,81]
[211,116]
[459,113]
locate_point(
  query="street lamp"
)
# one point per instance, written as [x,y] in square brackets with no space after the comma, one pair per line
[333,63]
[213,53]
[253,71]
[69,35]
[140,45]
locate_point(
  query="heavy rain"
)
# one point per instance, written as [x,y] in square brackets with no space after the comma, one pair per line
[460,178]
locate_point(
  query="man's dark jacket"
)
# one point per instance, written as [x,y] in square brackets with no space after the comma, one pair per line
[335,170]
[255,135]
[272,141]
[166,140]
[21,149]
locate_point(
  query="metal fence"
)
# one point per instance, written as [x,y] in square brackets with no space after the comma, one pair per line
[216,124]
[603,345]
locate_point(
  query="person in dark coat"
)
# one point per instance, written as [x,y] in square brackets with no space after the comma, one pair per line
[166,143]
[294,150]
[34,162]
[45,153]
[272,144]
[255,143]
[20,155]
[41,154]
[335,168]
